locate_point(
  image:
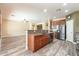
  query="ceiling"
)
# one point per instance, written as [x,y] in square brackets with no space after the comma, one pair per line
[34,11]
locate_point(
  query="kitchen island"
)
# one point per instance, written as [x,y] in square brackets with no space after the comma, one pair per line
[37,41]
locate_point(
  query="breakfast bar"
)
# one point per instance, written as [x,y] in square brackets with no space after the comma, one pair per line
[39,40]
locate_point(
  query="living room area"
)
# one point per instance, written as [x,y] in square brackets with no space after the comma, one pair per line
[39,29]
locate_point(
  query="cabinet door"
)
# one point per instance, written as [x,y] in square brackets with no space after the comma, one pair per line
[37,43]
[44,40]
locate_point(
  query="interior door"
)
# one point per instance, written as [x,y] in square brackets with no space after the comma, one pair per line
[69,30]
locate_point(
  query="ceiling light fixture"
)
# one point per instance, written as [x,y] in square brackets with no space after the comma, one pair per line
[64,4]
[45,10]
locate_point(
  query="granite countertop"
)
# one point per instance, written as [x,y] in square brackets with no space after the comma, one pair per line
[36,34]
[39,34]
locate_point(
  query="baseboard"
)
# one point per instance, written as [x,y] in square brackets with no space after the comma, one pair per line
[72,42]
[12,36]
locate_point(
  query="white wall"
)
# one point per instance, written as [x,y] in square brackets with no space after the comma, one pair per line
[13,28]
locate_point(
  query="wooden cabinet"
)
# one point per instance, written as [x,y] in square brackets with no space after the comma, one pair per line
[57,35]
[35,42]
[44,40]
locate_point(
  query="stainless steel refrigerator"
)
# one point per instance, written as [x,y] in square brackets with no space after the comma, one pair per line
[62,32]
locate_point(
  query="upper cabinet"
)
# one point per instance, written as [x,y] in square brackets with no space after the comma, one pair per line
[59,22]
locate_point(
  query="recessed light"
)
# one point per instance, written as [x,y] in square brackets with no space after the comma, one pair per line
[66,10]
[45,10]
[64,4]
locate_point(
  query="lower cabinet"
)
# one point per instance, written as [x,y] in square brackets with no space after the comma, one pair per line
[57,35]
[37,42]
[44,41]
